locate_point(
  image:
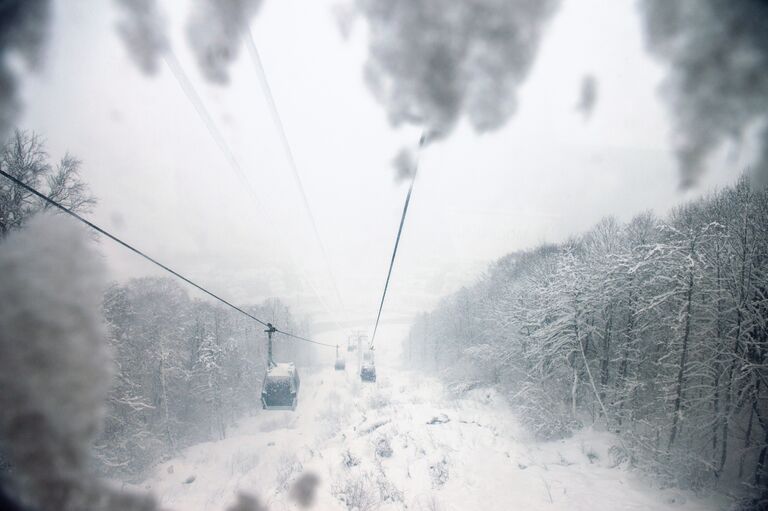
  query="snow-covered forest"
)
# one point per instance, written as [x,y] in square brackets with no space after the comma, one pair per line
[186,370]
[656,329]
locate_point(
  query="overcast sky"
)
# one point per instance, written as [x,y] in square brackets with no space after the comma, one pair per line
[164,184]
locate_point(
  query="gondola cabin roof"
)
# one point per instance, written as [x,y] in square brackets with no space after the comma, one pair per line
[286,369]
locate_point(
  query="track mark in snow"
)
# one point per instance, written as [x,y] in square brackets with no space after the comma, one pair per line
[439,419]
[373,427]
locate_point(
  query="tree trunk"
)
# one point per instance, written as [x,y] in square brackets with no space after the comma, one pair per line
[166,412]
[606,360]
[629,337]
[574,387]
[725,419]
[719,359]
[726,416]
[747,441]
[683,359]
[760,467]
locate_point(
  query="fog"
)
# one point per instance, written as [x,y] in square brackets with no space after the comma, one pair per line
[163,183]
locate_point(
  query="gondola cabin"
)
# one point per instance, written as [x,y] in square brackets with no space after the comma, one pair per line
[368,368]
[340,363]
[280,390]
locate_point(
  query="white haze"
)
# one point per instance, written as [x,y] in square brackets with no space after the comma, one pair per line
[164,184]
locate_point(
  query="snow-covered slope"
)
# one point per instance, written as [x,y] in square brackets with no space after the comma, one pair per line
[403,443]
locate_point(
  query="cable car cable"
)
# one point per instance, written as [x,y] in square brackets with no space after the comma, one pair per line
[205,116]
[173,64]
[253,51]
[397,240]
[300,338]
[125,244]
[154,261]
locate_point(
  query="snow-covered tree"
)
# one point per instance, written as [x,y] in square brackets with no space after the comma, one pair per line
[656,329]
[24,157]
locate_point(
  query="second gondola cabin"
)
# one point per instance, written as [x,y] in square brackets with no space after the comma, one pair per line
[340,363]
[368,367]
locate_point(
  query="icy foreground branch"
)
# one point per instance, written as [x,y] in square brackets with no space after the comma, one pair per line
[55,368]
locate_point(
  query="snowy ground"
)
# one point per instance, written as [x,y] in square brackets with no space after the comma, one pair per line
[403,443]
